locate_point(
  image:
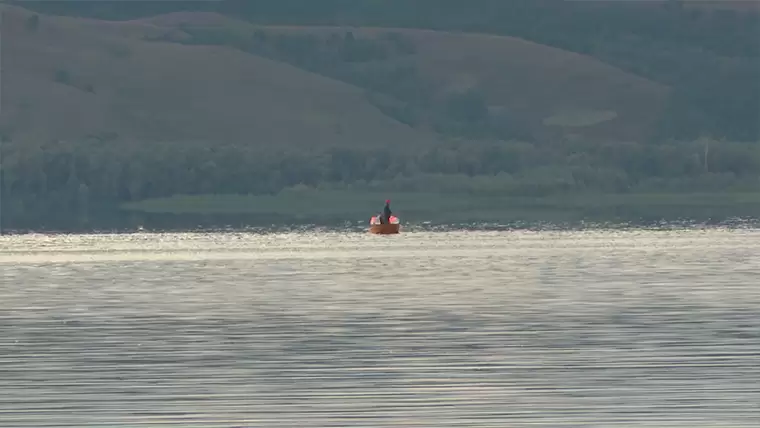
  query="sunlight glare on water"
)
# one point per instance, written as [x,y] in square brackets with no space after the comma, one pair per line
[435,329]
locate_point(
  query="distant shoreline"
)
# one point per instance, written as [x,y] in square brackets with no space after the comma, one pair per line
[350,210]
[314,206]
[738,223]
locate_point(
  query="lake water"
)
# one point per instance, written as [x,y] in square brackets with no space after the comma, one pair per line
[424,329]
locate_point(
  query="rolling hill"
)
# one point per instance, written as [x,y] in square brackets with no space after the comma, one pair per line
[147,80]
[71,78]
[554,93]
[550,92]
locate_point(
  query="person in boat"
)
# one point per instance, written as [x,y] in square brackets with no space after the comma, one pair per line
[385,218]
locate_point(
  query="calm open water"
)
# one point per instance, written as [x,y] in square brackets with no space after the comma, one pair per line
[424,329]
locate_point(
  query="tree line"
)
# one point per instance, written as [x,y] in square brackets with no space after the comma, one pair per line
[75,178]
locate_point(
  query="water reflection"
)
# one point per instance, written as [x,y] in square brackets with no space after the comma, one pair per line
[344,329]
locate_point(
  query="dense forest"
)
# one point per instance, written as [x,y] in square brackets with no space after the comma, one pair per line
[705,139]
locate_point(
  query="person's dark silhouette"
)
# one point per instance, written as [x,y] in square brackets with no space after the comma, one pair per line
[386,217]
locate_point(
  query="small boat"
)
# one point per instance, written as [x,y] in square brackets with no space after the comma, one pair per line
[384,229]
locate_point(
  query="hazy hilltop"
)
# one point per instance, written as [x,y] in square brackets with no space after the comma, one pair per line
[110,102]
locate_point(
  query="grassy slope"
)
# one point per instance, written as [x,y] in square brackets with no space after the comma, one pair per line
[152,91]
[537,84]
[158,91]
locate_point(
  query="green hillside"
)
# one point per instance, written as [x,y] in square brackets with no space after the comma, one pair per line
[80,79]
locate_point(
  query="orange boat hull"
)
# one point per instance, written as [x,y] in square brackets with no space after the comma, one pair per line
[384,229]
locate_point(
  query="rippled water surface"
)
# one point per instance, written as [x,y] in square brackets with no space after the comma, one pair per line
[434,329]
